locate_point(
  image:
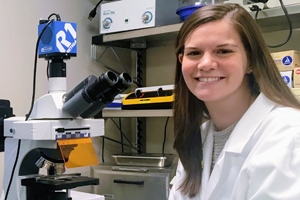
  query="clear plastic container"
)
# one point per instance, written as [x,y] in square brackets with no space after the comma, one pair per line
[187,7]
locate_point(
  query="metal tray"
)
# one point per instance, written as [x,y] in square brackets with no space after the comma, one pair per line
[144,159]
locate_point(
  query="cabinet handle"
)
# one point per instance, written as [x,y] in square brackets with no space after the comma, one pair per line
[129,182]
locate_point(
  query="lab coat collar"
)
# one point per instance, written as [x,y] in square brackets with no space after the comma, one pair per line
[245,128]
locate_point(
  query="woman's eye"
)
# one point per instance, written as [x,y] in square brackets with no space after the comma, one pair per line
[224,51]
[192,53]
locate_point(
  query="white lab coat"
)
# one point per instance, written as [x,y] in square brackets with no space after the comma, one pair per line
[260,160]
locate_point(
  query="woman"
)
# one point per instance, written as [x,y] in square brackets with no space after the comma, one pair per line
[248,144]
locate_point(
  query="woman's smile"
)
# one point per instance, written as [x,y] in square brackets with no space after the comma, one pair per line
[209,79]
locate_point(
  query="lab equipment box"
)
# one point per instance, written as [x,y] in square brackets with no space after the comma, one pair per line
[125,15]
[286,60]
[128,183]
[296,77]
[287,78]
[296,92]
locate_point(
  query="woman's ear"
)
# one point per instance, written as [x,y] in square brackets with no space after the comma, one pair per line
[249,71]
[180,57]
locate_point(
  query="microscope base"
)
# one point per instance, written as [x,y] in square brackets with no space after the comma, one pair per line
[54,187]
[85,196]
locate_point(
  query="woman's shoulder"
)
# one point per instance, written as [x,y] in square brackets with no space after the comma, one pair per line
[285,115]
[282,123]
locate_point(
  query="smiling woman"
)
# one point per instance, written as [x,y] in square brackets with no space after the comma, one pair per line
[226,78]
[214,66]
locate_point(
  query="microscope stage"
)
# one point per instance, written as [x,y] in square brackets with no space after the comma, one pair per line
[58,182]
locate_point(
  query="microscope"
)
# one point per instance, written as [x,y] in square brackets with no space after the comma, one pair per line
[57,133]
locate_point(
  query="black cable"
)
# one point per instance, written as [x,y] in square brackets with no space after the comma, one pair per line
[35,68]
[165,136]
[290,26]
[257,9]
[93,13]
[48,66]
[102,150]
[119,142]
[121,132]
[56,15]
[13,170]
[120,125]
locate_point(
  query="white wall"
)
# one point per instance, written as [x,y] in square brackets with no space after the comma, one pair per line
[19,22]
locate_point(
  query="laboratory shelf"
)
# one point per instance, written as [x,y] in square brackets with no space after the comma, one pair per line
[272,19]
[137,113]
[139,39]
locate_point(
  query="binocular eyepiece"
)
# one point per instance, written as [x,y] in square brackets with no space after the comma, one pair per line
[93,94]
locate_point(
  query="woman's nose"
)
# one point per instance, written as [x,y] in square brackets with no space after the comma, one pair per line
[207,62]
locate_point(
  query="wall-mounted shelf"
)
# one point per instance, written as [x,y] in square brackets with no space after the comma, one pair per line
[268,19]
[137,113]
[141,38]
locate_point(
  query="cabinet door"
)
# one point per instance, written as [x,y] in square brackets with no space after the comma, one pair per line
[115,185]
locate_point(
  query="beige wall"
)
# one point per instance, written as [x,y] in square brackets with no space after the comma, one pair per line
[279,37]
[160,70]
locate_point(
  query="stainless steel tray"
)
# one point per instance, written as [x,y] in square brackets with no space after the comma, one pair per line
[144,159]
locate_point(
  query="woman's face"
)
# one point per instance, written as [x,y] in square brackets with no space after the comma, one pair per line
[214,62]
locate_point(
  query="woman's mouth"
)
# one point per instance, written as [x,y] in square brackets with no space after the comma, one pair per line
[210,79]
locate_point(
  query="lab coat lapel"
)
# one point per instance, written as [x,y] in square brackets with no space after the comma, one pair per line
[214,177]
[217,175]
[241,134]
[248,124]
[207,158]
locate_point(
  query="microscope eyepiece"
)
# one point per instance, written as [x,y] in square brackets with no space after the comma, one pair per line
[102,84]
[90,79]
[124,81]
[88,91]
